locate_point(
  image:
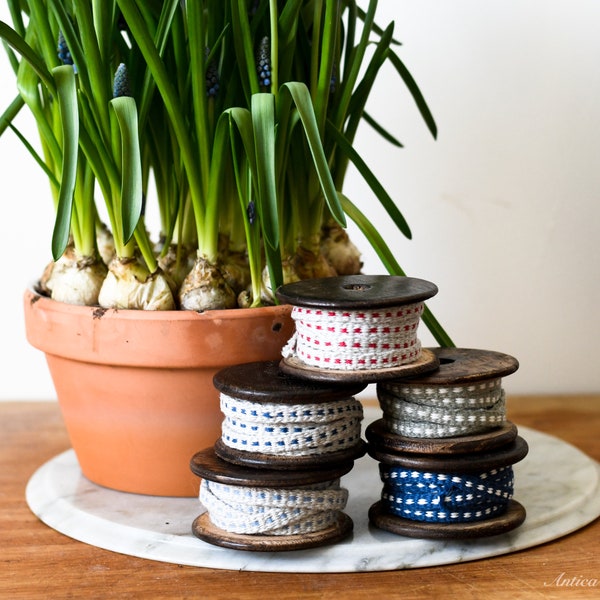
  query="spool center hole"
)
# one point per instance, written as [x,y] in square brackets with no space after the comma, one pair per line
[446,361]
[357,287]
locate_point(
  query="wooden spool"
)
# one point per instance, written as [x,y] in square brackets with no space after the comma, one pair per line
[264,382]
[457,366]
[476,455]
[465,365]
[379,436]
[207,465]
[356,292]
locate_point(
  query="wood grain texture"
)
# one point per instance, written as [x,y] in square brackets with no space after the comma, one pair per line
[204,529]
[380,436]
[258,460]
[37,562]
[454,463]
[209,465]
[356,292]
[293,366]
[513,517]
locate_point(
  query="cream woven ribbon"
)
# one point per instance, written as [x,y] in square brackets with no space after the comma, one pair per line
[423,411]
[291,430]
[355,339]
[256,510]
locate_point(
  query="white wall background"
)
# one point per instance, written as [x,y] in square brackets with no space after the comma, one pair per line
[504,206]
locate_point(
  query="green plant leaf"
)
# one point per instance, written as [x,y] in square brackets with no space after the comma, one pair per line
[69,116]
[38,159]
[413,88]
[386,201]
[16,16]
[263,122]
[13,39]
[242,39]
[170,97]
[301,96]
[384,133]
[131,168]
[10,113]
[243,122]
[391,264]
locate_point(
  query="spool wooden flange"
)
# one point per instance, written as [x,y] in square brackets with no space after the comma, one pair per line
[381,437]
[510,519]
[258,460]
[208,465]
[489,457]
[426,362]
[355,292]
[264,382]
[464,365]
[454,463]
[204,529]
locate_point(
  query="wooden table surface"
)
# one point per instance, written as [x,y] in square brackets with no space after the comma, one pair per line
[38,562]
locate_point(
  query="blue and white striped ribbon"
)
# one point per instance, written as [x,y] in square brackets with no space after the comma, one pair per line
[445,498]
[291,430]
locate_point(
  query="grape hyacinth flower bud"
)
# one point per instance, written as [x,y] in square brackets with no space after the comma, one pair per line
[263,62]
[212,78]
[63,51]
[253,8]
[333,81]
[121,82]
[251,212]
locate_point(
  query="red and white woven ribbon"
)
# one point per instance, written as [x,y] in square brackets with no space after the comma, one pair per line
[356,339]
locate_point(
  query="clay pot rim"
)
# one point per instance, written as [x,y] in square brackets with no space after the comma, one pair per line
[48,304]
[153,339]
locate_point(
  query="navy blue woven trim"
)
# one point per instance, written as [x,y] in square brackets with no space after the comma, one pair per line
[446,498]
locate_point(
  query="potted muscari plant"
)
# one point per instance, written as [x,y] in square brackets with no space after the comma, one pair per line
[242,114]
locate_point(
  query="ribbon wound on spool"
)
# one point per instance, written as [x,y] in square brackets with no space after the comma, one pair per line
[356,339]
[424,411]
[256,510]
[291,430]
[446,498]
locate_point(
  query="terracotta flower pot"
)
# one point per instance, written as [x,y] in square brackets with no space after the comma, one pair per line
[135,387]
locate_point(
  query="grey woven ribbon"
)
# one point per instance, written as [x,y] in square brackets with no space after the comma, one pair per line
[421,411]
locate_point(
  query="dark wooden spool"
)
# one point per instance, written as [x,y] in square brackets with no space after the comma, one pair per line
[457,366]
[355,292]
[510,519]
[207,465]
[471,454]
[264,382]
[484,460]
[463,366]
[380,436]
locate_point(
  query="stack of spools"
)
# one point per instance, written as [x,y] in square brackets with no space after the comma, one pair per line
[272,481]
[292,430]
[446,450]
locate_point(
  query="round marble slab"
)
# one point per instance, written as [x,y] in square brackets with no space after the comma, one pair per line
[558,485]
